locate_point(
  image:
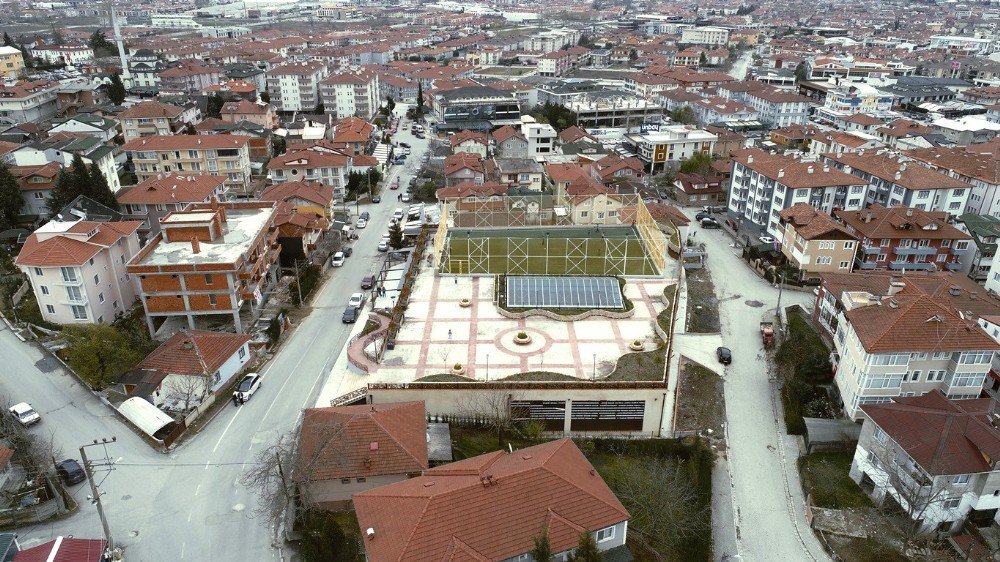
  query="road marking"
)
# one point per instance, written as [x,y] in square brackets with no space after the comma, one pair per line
[221,437]
[190,513]
[206,465]
[197,489]
[183,544]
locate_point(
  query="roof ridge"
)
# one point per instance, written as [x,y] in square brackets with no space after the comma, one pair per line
[545,466]
[388,433]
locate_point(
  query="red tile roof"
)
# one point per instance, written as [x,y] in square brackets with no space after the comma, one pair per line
[489,507]
[794,173]
[945,437]
[65,550]
[877,222]
[813,224]
[469,136]
[469,189]
[887,168]
[171,189]
[506,132]
[365,440]
[311,191]
[573,134]
[150,109]
[461,161]
[5,456]
[62,250]
[194,352]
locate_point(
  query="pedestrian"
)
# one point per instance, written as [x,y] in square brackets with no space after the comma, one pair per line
[456,280]
[236,400]
[449,334]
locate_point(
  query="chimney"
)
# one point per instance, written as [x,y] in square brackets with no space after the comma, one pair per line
[188,344]
[895,286]
[809,170]
[218,208]
[195,246]
[826,168]
[370,532]
[909,211]
[781,173]
[954,290]
[899,176]
[749,158]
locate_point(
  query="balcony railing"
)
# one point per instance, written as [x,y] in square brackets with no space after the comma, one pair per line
[953,265]
[915,251]
[920,265]
[959,251]
[870,250]
[866,265]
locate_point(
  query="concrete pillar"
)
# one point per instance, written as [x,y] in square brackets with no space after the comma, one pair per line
[190,321]
[567,421]
[149,324]
[237,323]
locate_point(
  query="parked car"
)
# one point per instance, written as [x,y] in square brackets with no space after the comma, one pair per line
[356,300]
[724,355]
[419,135]
[703,215]
[361,223]
[383,246]
[404,145]
[376,198]
[24,414]
[247,386]
[338,259]
[710,223]
[398,213]
[70,471]
[350,315]
[348,251]
[406,198]
[766,239]
[365,215]
[394,186]
[367,282]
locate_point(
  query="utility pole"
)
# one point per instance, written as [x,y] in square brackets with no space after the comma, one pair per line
[781,284]
[89,470]
[298,281]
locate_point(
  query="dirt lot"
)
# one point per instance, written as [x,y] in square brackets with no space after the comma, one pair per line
[701,403]
[703,306]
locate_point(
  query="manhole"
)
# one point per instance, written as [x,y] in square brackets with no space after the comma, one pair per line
[47,364]
[239,507]
[126,497]
[754,304]
[133,533]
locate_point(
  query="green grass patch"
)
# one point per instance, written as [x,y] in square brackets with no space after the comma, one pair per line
[866,550]
[556,256]
[803,359]
[640,366]
[664,317]
[826,477]
[540,376]
[443,377]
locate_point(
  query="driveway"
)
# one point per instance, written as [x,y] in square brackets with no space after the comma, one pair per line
[769,519]
[189,504]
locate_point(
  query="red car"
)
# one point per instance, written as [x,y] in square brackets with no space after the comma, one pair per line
[395,185]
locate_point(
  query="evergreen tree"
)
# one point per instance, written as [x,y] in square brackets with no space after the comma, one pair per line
[586,550]
[116,90]
[8,41]
[702,59]
[420,100]
[57,38]
[396,236]
[684,115]
[265,97]
[801,72]
[10,198]
[214,106]
[542,552]
[64,191]
[699,163]
[99,190]
[190,130]
[100,44]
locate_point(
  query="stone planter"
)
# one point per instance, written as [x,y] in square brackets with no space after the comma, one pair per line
[636,345]
[465,303]
[458,369]
[522,338]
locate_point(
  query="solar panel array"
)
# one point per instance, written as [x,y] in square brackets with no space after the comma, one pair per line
[536,291]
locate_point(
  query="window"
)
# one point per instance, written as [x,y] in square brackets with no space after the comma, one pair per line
[45,290]
[362,480]
[952,503]
[50,309]
[38,271]
[79,312]
[96,279]
[211,300]
[100,297]
[915,377]
[880,435]
[968,379]
[849,245]
[961,479]
[873,459]
[923,194]
[243,352]
[161,207]
[208,278]
[345,480]
[74,294]
[975,357]
[114,304]
[68,274]
[844,265]
[606,534]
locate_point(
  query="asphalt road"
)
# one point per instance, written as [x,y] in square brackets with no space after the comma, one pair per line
[189,504]
[766,521]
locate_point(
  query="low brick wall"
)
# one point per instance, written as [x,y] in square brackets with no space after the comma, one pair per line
[567,317]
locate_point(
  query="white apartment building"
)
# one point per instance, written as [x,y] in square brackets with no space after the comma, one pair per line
[541,137]
[316,163]
[962,45]
[351,94]
[28,102]
[707,36]
[71,55]
[764,184]
[174,21]
[891,338]
[670,145]
[150,118]
[896,182]
[854,97]
[935,457]
[77,269]
[296,86]
[218,155]
[779,108]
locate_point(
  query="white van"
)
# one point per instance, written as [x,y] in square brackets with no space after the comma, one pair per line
[398,213]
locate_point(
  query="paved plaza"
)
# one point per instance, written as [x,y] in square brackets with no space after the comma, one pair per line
[438,333]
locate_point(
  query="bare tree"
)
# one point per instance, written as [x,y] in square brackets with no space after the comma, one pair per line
[188,391]
[913,489]
[664,505]
[491,406]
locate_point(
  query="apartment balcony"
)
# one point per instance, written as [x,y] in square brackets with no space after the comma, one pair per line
[914,251]
[75,301]
[959,251]
[70,281]
[919,266]
[866,265]
[953,265]
[869,250]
